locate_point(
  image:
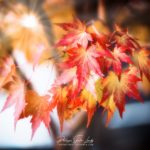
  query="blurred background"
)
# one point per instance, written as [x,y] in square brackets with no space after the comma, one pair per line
[21,36]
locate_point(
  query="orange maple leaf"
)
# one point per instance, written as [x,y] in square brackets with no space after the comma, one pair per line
[121,86]
[7,70]
[66,104]
[90,103]
[142,61]
[38,107]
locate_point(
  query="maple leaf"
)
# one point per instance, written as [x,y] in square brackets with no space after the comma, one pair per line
[16,89]
[124,40]
[71,26]
[60,99]
[102,39]
[108,104]
[90,103]
[142,61]
[86,61]
[121,86]
[116,61]
[38,107]
[90,96]
[104,51]
[110,107]
[77,34]
[66,76]
[65,103]
[7,70]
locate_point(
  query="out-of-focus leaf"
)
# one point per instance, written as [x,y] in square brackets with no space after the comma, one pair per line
[38,108]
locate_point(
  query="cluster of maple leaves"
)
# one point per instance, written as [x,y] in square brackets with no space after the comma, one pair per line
[97,70]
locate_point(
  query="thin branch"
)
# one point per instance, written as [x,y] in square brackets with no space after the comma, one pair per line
[101,11]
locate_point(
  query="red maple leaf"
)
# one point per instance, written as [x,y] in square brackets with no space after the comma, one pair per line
[118,56]
[77,34]
[85,61]
[124,40]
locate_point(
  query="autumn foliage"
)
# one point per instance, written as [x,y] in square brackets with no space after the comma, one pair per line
[96,70]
